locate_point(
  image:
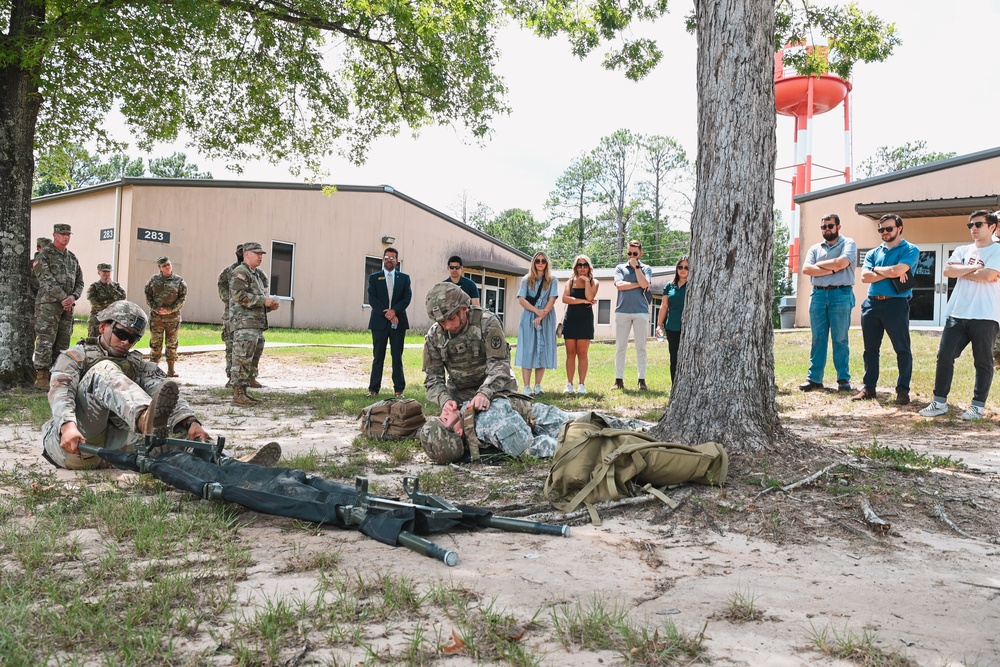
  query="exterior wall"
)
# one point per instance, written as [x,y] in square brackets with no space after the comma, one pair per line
[331,235]
[967,180]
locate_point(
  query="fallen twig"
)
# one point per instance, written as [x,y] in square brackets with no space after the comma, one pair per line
[794,485]
[469,471]
[849,528]
[600,507]
[941,514]
[969,583]
[879,525]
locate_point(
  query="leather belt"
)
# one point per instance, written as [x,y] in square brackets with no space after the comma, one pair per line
[879,297]
[832,286]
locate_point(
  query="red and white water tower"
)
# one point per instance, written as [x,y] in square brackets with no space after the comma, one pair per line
[803,97]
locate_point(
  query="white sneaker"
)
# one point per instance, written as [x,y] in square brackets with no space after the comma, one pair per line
[935,409]
[974,413]
[569,388]
[527,390]
[538,390]
[581,389]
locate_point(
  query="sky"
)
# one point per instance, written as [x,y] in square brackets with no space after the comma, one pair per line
[942,85]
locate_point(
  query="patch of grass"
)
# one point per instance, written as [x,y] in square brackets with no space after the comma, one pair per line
[743,607]
[858,648]
[24,405]
[905,458]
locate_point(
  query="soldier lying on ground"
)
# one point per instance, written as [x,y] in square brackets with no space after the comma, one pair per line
[467,367]
[102,392]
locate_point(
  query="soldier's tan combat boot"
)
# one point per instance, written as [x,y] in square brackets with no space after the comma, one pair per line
[253,384]
[42,378]
[266,456]
[170,370]
[155,420]
[240,396]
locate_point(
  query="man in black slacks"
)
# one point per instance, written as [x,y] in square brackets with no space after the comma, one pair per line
[389,294]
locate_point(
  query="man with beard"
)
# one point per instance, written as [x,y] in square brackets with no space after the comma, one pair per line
[888,271]
[830,267]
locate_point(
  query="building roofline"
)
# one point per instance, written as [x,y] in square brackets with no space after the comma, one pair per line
[919,170]
[271,185]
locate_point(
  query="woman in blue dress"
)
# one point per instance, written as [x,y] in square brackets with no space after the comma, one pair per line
[672,309]
[536,332]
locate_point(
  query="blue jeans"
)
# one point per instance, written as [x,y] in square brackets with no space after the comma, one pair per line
[892,317]
[830,318]
[957,334]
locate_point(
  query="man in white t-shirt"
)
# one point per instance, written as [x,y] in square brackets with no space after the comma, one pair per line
[973,316]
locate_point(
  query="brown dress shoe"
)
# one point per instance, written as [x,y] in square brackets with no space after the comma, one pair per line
[863,395]
[902,398]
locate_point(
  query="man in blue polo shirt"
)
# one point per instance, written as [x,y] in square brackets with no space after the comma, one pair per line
[888,271]
[830,267]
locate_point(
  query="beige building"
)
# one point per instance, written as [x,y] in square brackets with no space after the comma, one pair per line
[320,248]
[934,201]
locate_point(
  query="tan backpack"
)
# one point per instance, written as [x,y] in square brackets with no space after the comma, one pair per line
[392,419]
[595,463]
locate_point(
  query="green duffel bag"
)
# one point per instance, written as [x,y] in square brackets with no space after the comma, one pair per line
[594,463]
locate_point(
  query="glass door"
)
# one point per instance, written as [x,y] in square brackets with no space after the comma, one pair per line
[930,287]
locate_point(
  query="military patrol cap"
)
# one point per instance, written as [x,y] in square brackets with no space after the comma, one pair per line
[444,299]
[103,266]
[126,314]
[62,228]
[162,260]
[42,241]
[441,443]
[253,246]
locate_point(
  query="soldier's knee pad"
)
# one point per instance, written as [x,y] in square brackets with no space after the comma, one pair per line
[441,444]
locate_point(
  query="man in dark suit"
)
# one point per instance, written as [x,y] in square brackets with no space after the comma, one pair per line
[389,294]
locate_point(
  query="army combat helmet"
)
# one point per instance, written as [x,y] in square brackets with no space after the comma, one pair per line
[444,299]
[126,314]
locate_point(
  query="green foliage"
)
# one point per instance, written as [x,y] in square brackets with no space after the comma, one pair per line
[888,159]
[516,227]
[782,278]
[905,458]
[72,167]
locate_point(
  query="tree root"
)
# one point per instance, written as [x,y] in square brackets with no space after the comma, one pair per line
[874,521]
[941,514]
[794,485]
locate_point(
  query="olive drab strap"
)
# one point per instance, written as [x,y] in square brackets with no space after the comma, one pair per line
[469,431]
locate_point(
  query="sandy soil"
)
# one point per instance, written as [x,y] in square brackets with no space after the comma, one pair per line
[808,560]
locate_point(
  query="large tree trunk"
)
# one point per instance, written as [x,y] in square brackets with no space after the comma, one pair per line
[724,390]
[19,104]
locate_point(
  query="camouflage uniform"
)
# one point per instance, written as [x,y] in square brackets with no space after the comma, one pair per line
[33,284]
[104,395]
[227,332]
[169,293]
[101,295]
[59,276]
[477,360]
[248,321]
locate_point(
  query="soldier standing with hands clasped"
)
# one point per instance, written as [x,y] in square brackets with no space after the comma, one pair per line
[165,294]
[60,284]
[101,294]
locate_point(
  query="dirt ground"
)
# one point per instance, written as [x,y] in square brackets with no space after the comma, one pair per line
[806,557]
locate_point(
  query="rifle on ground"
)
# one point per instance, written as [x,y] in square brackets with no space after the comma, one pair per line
[202,469]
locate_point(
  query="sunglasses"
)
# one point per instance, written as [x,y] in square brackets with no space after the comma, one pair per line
[883,230]
[977,224]
[454,268]
[832,226]
[583,265]
[633,254]
[123,335]
[683,268]
[541,261]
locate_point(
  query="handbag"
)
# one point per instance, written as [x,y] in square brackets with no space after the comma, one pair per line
[559,328]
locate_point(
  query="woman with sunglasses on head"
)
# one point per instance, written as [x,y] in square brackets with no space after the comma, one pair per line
[672,309]
[536,332]
[578,324]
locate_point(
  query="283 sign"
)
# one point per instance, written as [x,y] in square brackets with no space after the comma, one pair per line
[154,235]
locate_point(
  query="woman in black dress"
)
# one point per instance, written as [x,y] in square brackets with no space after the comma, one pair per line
[578,325]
